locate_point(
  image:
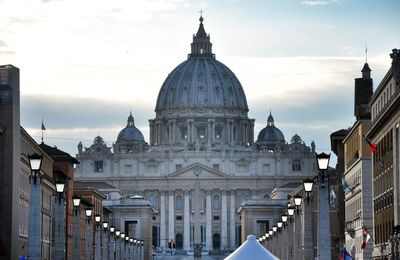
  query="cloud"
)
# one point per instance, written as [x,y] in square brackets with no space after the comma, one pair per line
[319,2]
[3,44]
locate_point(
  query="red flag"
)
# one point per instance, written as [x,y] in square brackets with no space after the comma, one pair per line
[372,147]
[366,237]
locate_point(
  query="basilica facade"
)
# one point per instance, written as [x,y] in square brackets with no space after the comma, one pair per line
[202,160]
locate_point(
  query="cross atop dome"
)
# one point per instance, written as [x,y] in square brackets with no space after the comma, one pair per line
[201,45]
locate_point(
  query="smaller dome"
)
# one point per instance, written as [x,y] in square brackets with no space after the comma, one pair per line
[130,132]
[270,133]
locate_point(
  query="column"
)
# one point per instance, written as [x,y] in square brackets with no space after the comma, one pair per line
[229,126]
[158,137]
[289,230]
[35,221]
[232,224]
[308,230]
[117,248]
[163,238]
[209,131]
[97,253]
[324,234]
[208,221]
[59,231]
[173,129]
[151,124]
[88,235]
[224,221]
[105,245]
[186,222]
[171,220]
[76,245]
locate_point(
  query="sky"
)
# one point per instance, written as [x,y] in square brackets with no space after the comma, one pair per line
[85,64]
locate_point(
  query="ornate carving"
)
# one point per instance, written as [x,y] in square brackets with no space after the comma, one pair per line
[395,55]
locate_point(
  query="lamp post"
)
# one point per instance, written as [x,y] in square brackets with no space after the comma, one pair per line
[59,220]
[308,186]
[89,233]
[97,252]
[122,253]
[297,203]
[112,242]
[105,240]
[126,247]
[76,243]
[35,219]
[323,234]
[117,247]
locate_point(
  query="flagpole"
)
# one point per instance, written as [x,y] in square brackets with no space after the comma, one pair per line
[371,237]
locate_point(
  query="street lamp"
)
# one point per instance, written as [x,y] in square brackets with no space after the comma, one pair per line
[35,220]
[308,186]
[122,235]
[297,200]
[323,232]
[284,218]
[117,233]
[322,162]
[97,218]
[290,211]
[60,187]
[89,232]
[270,232]
[76,201]
[35,163]
[279,223]
[274,228]
[76,249]
[112,229]
[105,225]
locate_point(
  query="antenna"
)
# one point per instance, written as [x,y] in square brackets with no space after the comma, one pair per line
[201,12]
[366,54]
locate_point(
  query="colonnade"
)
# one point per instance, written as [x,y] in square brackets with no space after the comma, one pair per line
[228,223]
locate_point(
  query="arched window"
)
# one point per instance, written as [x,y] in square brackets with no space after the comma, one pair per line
[178,202]
[242,198]
[153,200]
[216,202]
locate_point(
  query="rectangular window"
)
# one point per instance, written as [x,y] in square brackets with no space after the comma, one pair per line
[216,217]
[242,167]
[98,166]
[128,168]
[152,167]
[178,217]
[201,133]
[183,133]
[218,133]
[266,167]
[262,227]
[296,165]
[178,167]
[216,167]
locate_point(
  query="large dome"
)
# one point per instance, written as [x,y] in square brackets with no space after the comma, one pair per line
[201,81]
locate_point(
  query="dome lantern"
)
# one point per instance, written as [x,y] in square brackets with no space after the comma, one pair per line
[201,45]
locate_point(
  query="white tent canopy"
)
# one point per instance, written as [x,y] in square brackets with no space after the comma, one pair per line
[251,250]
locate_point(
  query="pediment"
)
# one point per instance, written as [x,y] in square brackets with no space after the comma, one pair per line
[203,172]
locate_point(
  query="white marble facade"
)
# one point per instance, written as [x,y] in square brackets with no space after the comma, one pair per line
[201,139]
